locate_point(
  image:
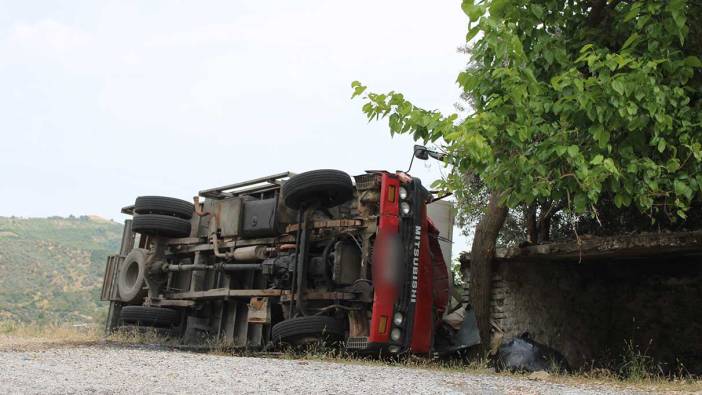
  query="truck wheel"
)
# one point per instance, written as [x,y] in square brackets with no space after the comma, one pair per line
[130,281]
[327,187]
[164,206]
[149,316]
[161,225]
[308,330]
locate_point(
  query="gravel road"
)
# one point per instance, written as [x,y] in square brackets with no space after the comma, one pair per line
[113,370]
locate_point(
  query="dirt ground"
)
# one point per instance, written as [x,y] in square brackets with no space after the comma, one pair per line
[92,365]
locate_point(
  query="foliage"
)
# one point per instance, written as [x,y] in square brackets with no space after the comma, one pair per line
[637,364]
[572,102]
[51,268]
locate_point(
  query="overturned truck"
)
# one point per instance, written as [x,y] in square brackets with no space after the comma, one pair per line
[289,259]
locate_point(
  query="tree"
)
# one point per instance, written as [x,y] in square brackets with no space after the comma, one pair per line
[574,105]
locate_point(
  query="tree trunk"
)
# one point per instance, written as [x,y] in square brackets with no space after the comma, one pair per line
[532,230]
[482,254]
[545,229]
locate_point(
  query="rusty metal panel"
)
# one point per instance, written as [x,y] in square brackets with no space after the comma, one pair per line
[226,216]
[109,286]
[259,311]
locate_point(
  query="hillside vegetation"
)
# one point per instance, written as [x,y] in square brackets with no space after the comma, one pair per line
[51,268]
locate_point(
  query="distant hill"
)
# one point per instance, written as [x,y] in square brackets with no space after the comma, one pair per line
[51,268]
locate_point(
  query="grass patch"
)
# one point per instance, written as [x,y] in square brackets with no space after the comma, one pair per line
[645,377]
[637,365]
[50,331]
[21,336]
[134,335]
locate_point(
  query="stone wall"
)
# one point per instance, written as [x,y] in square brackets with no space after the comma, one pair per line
[588,310]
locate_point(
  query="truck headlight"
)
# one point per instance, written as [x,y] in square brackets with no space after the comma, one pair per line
[405,208]
[394,349]
[395,334]
[398,318]
[403,193]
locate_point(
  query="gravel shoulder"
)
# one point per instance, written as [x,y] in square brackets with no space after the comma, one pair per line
[116,370]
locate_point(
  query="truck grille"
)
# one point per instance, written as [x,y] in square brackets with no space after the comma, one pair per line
[367,181]
[357,342]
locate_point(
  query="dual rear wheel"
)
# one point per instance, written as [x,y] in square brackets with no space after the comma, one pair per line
[162,216]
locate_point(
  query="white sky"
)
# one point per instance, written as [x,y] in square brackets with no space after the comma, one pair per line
[101,101]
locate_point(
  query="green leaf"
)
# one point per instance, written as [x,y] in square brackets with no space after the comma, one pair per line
[537,10]
[622,199]
[672,165]
[632,109]
[472,32]
[676,11]
[467,6]
[580,203]
[601,136]
[473,11]
[358,89]
[548,56]
[661,145]
[692,61]
[597,160]
[618,87]
[681,188]
[618,201]
[633,37]
[586,47]
[610,166]
[573,151]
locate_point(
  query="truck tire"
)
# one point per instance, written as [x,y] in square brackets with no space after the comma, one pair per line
[161,225]
[326,187]
[306,330]
[164,206]
[130,281]
[149,316]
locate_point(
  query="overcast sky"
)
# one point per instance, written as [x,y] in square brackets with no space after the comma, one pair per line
[101,101]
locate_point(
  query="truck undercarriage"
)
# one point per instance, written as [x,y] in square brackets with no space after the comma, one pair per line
[287,259]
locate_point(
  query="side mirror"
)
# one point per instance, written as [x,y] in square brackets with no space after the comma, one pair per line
[421,152]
